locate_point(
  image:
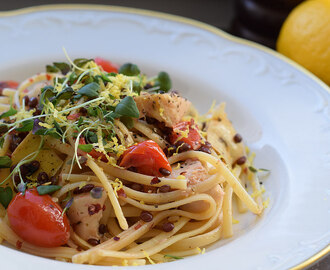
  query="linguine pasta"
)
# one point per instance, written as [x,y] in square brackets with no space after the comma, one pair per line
[138,175]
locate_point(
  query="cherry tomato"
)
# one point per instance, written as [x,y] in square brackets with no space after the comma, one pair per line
[93,153]
[193,138]
[38,220]
[147,157]
[8,84]
[106,65]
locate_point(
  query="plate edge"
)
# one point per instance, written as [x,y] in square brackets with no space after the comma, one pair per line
[151,13]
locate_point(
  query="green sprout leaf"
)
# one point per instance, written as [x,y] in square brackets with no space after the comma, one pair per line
[127,121]
[90,90]
[80,62]
[127,107]
[63,67]
[6,195]
[252,169]
[86,147]
[65,94]
[164,81]
[27,125]
[129,69]
[47,93]
[8,113]
[42,190]
[5,162]
[91,137]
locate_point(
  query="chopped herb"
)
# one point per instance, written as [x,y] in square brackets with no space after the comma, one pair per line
[90,90]
[58,128]
[6,194]
[2,141]
[129,69]
[67,206]
[5,162]
[8,113]
[42,190]
[86,147]
[172,257]
[263,170]
[252,169]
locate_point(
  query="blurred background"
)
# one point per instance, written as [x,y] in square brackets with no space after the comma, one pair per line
[256,20]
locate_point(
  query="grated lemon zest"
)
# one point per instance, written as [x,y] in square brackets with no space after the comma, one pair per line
[235,221]
[147,256]
[117,185]
[161,112]
[265,203]
[177,166]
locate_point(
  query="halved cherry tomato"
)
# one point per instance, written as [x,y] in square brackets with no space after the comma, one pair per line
[8,84]
[193,138]
[106,65]
[38,220]
[147,157]
[93,153]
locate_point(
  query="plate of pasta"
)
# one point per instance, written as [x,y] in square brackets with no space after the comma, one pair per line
[133,138]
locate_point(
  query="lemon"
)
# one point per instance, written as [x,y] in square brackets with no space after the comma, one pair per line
[305,37]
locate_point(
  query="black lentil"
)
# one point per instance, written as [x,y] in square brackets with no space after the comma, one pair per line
[241,160]
[237,138]
[84,189]
[164,171]
[93,241]
[42,178]
[146,216]
[168,226]
[33,102]
[26,100]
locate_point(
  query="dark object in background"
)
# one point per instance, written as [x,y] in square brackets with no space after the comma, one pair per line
[261,20]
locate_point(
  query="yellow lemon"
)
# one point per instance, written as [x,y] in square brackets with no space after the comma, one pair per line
[305,37]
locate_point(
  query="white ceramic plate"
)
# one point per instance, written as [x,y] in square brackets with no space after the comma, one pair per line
[281,110]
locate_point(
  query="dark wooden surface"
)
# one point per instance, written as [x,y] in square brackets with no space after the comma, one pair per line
[219,13]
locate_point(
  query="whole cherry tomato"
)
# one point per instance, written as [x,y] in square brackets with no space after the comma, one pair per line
[192,138]
[38,220]
[106,65]
[148,158]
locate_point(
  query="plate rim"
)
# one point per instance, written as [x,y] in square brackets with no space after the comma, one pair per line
[192,22]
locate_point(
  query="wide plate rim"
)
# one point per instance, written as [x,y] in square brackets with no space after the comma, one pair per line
[150,13]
